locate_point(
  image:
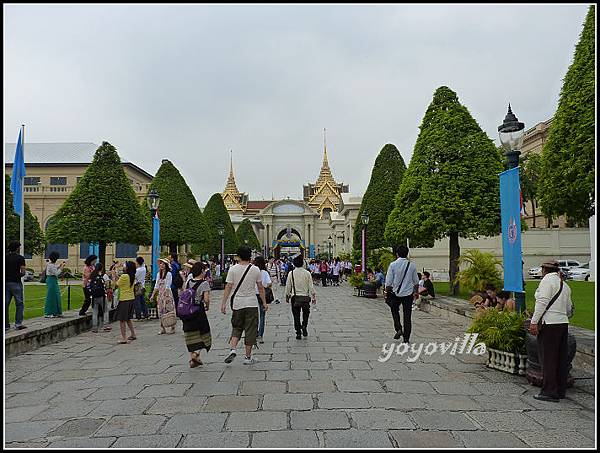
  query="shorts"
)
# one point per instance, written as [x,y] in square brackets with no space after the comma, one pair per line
[245,320]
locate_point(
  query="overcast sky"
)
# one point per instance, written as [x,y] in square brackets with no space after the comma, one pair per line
[191,82]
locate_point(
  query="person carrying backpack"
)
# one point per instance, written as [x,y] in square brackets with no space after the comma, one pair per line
[97,290]
[194,302]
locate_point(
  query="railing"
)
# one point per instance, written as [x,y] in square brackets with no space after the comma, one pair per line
[58,189]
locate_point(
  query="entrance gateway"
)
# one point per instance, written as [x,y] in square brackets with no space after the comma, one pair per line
[288,243]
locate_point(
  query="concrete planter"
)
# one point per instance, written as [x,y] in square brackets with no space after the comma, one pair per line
[508,362]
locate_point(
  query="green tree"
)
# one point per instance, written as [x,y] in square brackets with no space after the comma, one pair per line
[102,208]
[216,214]
[246,232]
[378,200]
[530,179]
[451,187]
[35,243]
[568,170]
[181,221]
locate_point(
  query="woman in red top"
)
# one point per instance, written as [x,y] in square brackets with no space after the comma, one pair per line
[90,265]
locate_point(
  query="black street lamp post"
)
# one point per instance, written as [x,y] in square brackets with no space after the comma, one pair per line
[365,221]
[221,231]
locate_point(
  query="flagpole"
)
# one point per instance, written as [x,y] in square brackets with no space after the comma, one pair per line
[22,220]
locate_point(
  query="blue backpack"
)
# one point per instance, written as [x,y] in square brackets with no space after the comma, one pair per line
[187,306]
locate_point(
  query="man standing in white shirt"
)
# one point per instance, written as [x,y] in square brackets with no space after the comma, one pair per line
[400,282]
[242,279]
[141,309]
[550,322]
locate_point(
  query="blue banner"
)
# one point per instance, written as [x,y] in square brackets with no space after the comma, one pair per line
[18,174]
[155,246]
[510,210]
[312,251]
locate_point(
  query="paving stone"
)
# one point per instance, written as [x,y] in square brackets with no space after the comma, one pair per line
[115,392]
[238,375]
[262,387]
[131,406]
[350,365]
[381,419]
[555,439]
[360,386]
[257,421]
[217,440]
[160,391]
[506,388]
[265,365]
[455,388]
[75,408]
[441,420]
[84,442]
[576,420]
[26,444]
[319,419]
[340,400]
[376,374]
[80,427]
[69,386]
[193,377]
[25,431]
[484,439]
[409,387]
[504,421]
[69,397]
[193,423]
[152,441]
[24,387]
[23,413]
[285,439]
[155,379]
[231,404]
[328,375]
[287,402]
[501,402]
[287,375]
[311,386]
[131,425]
[425,439]
[396,401]
[305,365]
[112,380]
[213,388]
[353,438]
[450,402]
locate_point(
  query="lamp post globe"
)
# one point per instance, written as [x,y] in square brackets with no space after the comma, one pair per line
[153,200]
[365,218]
[512,133]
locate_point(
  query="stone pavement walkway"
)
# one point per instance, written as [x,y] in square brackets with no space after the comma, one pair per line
[327,390]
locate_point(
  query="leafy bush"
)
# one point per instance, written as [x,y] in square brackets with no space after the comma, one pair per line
[502,330]
[483,269]
[356,280]
[386,259]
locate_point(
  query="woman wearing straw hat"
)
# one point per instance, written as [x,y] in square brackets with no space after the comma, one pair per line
[165,303]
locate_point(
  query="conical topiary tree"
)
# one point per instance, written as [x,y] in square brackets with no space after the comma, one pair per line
[246,232]
[451,187]
[181,221]
[568,169]
[102,208]
[216,214]
[35,242]
[378,200]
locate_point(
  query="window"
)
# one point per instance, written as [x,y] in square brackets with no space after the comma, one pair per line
[62,249]
[84,250]
[126,250]
[58,180]
[32,180]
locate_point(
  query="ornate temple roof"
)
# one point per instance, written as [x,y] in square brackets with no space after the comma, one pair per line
[233,199]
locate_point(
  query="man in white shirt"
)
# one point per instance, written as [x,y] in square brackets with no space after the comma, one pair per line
[300,283]
[244,317]
[400,282]
[141,309]
[553,334]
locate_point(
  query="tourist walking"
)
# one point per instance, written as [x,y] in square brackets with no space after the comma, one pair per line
[300,291]
[141,309]
[126,283]
[242,279]
[165,305]
[90,264]
[323,269]
[336,271]
[550,322]
[176,280]
[267,284]
[399,284]
[14,270]
[196,329]
[100,308]
[53,305]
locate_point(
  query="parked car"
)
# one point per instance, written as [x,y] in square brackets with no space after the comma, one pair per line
[28,277]
[565,267]
[580,273]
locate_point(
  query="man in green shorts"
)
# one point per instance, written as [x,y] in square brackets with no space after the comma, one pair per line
[241,280]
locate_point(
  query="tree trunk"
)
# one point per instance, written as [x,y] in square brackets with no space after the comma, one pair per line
[102,253]
[454,254]
[172,247]
[533,211]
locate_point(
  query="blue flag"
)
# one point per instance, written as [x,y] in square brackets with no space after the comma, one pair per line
[510,209]
[155,245]
[16,181]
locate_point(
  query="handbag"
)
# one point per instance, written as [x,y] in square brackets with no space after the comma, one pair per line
[540,324]
[299,301]
[387,299]
[269,295]
[169,319]
[139,289]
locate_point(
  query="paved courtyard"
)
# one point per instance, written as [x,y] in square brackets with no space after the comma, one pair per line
[328,390]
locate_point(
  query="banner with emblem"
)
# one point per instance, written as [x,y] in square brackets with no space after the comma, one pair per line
[510,210]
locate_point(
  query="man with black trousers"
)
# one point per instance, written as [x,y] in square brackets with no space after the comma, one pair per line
[400,281]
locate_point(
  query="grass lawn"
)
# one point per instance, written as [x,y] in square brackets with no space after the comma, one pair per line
[35,298]
[583,295]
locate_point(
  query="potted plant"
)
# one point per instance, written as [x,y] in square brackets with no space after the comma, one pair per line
[503,334]
[483,268]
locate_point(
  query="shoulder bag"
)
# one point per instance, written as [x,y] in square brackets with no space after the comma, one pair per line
[299,301]
[240,284]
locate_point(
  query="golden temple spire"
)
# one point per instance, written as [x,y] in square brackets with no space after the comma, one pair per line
[325,160]
[325,173]
[231,187]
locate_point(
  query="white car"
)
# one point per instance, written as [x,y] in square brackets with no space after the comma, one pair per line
[580,273]
[565,265]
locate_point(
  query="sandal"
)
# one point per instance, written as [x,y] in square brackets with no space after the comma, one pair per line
[132,338]
[123,342]
[194,362]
